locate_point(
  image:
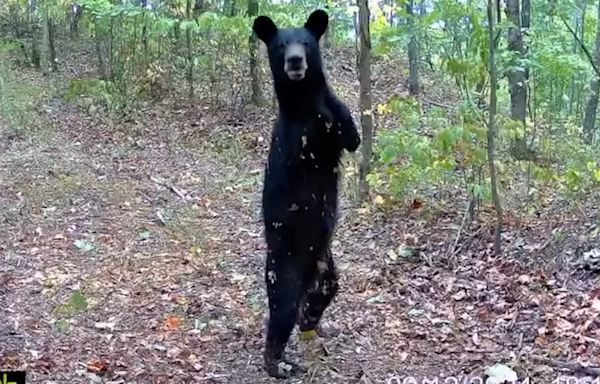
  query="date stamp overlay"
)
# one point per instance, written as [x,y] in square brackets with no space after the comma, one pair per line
[12,377]
[561,379]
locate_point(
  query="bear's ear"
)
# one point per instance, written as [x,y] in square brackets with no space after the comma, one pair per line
[317,23]
[264,28]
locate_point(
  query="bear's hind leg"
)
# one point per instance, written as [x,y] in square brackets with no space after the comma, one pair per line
[284,289]
[320,294]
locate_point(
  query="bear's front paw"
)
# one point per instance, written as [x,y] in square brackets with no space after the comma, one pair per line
[349,133]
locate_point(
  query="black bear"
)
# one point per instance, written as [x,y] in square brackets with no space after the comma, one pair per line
[301,184]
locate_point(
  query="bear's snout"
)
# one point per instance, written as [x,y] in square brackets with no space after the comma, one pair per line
[295,62]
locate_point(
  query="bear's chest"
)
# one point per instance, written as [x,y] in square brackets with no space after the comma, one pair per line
[318,146]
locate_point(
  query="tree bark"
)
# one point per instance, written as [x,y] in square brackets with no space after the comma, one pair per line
[413,56]
[257,96]
[35,47]
[516,77]
[75,13]
[190,52]
[578,24]
[592,102]
[491,132]
[366,116]
[51,44]
[45,51]
[327,35]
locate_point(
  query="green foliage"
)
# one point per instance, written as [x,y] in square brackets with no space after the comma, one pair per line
[223,72]
[19,97]
[408,162]
[90,93]
[77,303]
[574,166]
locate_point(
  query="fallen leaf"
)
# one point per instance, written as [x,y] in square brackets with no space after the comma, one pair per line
[416,204]
[104,325]
[144,234]
[376,299]
[407,251]
[524,279]
[97,366]
[459,295]
[564,325]
[415,312]
[172,323]
[411,240]
[84,245]
[596,305]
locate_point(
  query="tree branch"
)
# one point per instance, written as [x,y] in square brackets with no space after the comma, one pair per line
[585,49]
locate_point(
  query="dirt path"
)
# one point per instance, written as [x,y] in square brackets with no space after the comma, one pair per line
[134,254]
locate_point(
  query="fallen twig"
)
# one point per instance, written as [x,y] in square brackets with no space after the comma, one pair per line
[366,376]
[437,104]
[462,225]
[573,367]
[314,372]
[170,186]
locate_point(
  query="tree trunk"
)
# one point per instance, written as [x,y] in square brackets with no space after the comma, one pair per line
[51,44]
[580,100]
[525,25]
[190,52]
[492,125]
[45,51]
[257,95]
[35,47]
[146,59]
[229,8]
[592,102]
[578,24]
[111,49]
[75,13]
[366,116]
[199,6]
[517,77]
[413,55]
[327,35]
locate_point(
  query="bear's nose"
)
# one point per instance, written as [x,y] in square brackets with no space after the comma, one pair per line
[295,62]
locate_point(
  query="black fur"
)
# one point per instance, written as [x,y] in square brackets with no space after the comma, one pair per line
[301,188]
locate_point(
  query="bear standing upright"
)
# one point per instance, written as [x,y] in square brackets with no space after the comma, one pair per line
[300,190]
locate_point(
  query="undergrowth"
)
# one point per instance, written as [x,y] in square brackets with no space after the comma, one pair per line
[20,97]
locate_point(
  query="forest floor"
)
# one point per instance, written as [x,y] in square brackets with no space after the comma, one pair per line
[133,253]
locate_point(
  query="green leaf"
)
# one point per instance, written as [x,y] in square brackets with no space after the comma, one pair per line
[376,299]
[61,326]
[84,245]
[406,251]
[144,234]
[78,301]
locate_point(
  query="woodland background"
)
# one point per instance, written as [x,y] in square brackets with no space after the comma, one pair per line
[132,140]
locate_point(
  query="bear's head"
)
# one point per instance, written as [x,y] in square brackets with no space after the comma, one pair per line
[294,53]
